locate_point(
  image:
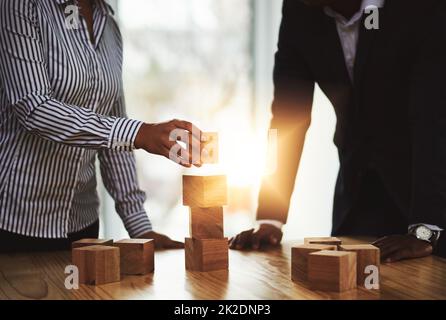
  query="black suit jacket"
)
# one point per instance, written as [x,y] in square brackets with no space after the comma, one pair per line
[392,117]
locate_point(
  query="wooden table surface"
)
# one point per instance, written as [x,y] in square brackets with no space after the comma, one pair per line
[251,275]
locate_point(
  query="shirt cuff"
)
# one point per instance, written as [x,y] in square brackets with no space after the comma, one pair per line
[275,223]
[123,134]
[429,226]
[137,224]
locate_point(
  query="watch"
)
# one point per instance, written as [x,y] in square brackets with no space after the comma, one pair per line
[423,232]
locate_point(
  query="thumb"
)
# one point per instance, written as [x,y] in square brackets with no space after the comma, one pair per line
[174,245]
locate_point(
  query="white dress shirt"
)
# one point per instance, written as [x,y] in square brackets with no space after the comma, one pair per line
[348,30]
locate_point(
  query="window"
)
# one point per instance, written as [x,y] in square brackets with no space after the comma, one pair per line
[210,62]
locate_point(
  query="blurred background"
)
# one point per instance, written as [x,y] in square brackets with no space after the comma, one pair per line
[210,62]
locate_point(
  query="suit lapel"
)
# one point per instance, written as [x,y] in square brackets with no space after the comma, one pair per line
[333,51]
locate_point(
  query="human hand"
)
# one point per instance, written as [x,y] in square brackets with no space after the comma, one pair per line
[157,138]
[162,241]
[266,234]
[399,247]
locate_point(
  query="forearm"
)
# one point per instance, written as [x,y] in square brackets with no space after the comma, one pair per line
[276,190]
[75,126]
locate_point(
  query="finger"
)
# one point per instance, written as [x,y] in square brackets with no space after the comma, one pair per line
[181,157]
[245,239]
[233,244]
[256,240]
[388,251]
[396,256]
[186,125]
[388,247]
[174,245]
[380,240]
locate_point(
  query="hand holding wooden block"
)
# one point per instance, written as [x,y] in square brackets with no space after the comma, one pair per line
[204,191]
[299,259]
[323,240]
[91,242]
[97,264]
[209,152]
[137,256]
[206,223]
[206,254]
[332,270]
[367,255]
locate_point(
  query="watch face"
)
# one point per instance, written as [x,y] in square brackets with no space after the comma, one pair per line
[423,233]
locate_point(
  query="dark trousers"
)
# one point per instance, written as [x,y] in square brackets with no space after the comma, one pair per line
[374,213]
[12,242]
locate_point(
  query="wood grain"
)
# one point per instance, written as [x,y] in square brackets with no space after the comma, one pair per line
[91,242]
[251,275]
[206,254]
[137,256]
[97,264]
[367,254]
[323,240]
[206,223]
[331,270]
[204,191]
[209,152]
[299,259]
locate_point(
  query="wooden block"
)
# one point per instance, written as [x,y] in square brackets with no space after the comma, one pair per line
[206,254]
[91,242]
[137,256]
[332,270]
[97,264]
[299,259]
[206,223]
[323,240]
[204,191]
[209,152]
[367,254]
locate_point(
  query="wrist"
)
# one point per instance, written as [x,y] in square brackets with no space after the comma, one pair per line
[276,223]
[140,138]
[425,232]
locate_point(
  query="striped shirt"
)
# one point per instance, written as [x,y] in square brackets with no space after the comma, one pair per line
[61,105]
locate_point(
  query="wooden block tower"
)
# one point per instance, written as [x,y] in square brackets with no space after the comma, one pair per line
[207,248]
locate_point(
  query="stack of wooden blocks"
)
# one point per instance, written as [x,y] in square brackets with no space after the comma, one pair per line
[101,261]
[328,265]
[207,248]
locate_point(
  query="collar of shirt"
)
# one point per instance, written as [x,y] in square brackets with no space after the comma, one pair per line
[357,16]
[103,6]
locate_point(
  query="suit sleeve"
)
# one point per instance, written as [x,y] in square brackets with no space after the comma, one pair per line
[428,119]
[291,116]
[25,81]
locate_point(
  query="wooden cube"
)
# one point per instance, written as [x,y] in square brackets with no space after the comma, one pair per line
[91,242]
[323,240]
[209,151]
[97,264]
[137,256]
[204,191]
[206,254]
[206,223]
[332,270]
[367,254]
[299,259]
